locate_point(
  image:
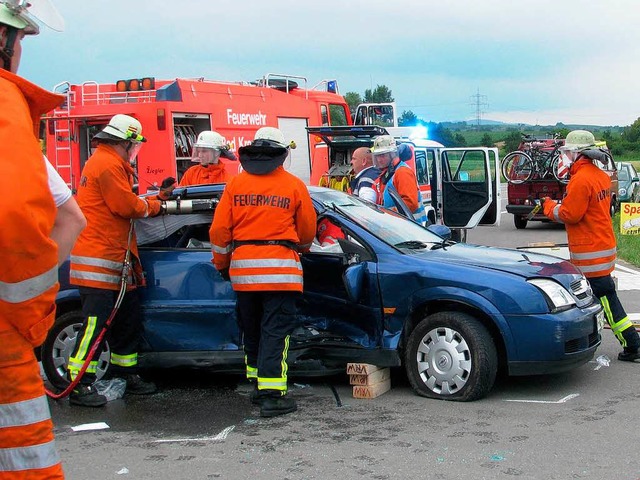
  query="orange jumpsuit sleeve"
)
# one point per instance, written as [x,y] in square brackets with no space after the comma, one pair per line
[305,220]
[573,206]
[405,182]
[221,231]
[121,200]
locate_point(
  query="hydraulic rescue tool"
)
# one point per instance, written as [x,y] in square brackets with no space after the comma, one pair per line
[189,206]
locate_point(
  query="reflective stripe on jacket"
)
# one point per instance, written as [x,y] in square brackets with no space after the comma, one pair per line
[585,211]
[275,206]
[199,175]
[27,447]
[28,277]
[106,198]
[404,181]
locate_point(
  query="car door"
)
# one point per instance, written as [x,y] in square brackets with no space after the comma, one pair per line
[468,186]
[341,297]
[186,305]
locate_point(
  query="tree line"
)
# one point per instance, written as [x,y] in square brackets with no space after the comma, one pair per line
[620,140]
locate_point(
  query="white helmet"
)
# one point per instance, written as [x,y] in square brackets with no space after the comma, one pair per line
[210,139]
[271,137]
[208,148]
[384,144]
[578,140]
[27,14]
[383,151]
[577,143]
[122,127]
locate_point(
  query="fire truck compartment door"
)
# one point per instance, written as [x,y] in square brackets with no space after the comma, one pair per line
[296,129]
[469,187]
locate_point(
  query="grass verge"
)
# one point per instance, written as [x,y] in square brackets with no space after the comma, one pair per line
[628,245]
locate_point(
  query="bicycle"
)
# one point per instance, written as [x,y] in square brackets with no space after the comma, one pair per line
[534,161]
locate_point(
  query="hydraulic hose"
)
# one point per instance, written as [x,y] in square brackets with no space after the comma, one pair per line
[126,268]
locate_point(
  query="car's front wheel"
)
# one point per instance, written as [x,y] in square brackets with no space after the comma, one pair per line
[59,345]
[451,356]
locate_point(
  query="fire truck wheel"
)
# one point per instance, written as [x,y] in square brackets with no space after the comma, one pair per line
[520,222]
[59,345]
[451,356]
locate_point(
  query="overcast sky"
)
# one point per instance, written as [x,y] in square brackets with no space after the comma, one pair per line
[537,62]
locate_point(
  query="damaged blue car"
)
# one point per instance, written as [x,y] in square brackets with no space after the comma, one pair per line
[392,293]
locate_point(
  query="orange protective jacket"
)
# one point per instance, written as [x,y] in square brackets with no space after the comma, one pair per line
[106,198]
[199,175]
[28,283]
[585,211]
[29,273]
[406,184]
[275,206]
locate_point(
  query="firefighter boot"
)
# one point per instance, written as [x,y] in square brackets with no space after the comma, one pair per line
[137,386]
[86,396]
[255,396]
[629,355]
[274,404]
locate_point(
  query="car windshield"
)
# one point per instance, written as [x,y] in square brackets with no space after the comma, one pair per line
[623,174]
[388,226]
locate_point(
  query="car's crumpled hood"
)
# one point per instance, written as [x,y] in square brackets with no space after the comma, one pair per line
[518,262]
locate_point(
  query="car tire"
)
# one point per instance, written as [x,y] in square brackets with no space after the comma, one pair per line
[520,222]
[58,346]
[451,356]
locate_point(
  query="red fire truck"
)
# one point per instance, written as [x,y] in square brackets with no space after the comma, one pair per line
[174,112]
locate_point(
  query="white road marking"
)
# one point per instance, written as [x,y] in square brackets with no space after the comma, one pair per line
[221,437]
[562,400]
[90,426]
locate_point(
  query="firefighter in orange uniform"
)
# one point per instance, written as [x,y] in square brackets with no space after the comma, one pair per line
[207,151]
[106,198]
[396,175]
[264,218]
[29,277]
[585,211]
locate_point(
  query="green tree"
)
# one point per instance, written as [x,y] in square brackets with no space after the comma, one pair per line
[438,133]
[353,99]
[459,140]
[408,119]
[631,133]
[380,94]
[486,140]
[512,141]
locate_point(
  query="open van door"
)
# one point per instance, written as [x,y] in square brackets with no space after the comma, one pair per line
[468,187]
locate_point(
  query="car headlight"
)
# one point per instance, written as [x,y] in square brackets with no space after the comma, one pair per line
[557,296]
[622,192]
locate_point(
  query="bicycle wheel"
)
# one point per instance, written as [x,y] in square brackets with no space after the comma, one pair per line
[517,167]
[555,162]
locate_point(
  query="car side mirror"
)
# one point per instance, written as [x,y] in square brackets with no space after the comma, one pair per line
[440,230]
[635,179]
[353,279]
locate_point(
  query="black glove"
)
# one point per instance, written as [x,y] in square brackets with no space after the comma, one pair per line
[168,182]
[166,188]
[224,273]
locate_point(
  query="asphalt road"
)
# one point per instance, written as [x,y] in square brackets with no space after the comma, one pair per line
[576,425]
